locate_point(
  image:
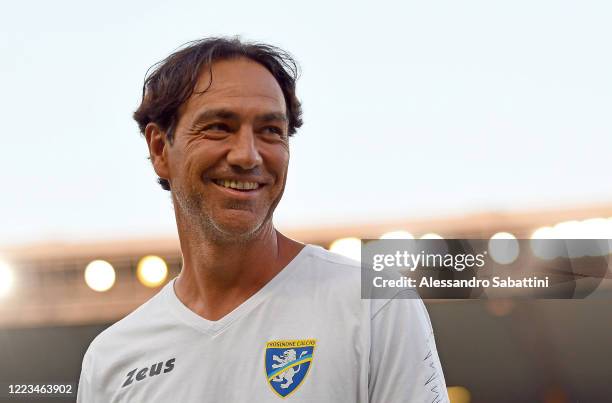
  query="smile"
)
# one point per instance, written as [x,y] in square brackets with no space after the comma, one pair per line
[237,184]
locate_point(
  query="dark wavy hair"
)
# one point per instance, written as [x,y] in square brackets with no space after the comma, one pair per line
[169,83]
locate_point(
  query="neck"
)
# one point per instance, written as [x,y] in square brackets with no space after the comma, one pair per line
[217,277]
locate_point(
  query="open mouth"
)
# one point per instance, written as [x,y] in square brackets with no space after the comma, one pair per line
[237,185]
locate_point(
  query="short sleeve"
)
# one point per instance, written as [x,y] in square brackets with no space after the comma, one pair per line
[404,363]
[84,391]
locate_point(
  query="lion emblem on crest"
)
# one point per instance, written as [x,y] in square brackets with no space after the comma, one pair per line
[287,357]
[287,362]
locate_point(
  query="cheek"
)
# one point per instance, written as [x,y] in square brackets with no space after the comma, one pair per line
[280,166]
[278,159]
[200,157]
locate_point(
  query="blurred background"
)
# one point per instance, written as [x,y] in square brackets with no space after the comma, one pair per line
[459,119]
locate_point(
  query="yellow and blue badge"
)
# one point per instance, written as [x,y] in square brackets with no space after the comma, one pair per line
[287,363]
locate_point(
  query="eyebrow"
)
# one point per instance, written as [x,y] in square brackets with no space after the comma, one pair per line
[272,117]
[227,114]
[216,114]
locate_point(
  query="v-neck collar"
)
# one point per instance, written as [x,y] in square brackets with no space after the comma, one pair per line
[212,328]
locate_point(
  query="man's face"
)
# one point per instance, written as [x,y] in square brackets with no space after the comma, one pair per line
[228,163]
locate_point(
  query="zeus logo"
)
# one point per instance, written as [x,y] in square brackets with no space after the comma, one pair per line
[155,369]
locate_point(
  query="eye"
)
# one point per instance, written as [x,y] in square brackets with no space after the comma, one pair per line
[273,130]
[216,131]
[216,127]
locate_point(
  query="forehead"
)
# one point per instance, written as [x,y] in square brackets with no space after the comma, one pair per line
[241,85]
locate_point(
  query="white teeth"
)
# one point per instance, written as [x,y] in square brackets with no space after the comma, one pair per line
[238,185]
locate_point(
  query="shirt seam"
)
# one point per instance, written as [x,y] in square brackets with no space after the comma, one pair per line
[386,303]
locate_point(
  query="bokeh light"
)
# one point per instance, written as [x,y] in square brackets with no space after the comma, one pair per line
[431,235]
[500,307]
[152,271]
[568,230]
[459,394]
[100,275]
[7,278]
[539,246]
[503,248]
[397,235]
[349,247]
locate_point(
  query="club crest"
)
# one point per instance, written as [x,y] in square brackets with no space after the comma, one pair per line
[287,363]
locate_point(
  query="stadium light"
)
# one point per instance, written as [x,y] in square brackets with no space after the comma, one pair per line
[100,275]
[595,228]
[459,394]
[500,306]
[7,278]
[506,250]
[431,235]
[543,233]
[152,271]
[349,247]
[599,231]
[543,249]
[568,230]
[439,245]
[397,235]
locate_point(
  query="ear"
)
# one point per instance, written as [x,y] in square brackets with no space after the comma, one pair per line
[158,149]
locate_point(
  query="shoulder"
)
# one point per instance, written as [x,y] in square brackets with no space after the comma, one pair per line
[132,327]
[328,269]
[322,258]
[340,278]
[338,269]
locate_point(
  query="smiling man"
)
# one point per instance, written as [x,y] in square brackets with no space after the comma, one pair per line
[253,316]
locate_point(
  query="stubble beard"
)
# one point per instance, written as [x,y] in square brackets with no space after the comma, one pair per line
[191,206]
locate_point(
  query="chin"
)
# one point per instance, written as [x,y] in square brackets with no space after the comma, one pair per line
[237,228]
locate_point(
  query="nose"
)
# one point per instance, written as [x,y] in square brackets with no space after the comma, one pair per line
[244,152]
